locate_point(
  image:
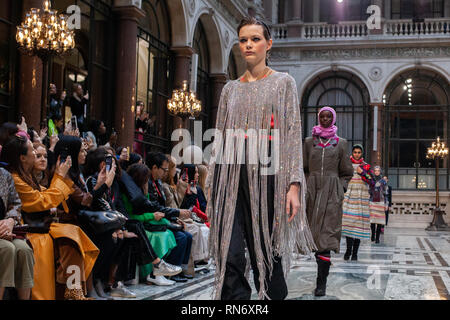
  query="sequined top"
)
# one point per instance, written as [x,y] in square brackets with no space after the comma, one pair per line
[9,196]
[248,108]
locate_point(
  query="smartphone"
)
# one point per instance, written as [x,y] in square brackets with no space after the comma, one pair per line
[64,155]
[128,152]
[108,163]
[73,122]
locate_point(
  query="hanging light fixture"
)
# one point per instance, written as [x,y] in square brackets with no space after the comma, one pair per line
[44,33]
[184,103]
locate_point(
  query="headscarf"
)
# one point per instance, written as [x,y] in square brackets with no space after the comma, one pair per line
[377,178]
[329,132]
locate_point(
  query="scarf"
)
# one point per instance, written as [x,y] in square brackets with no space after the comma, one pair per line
[360,161]
[329,132]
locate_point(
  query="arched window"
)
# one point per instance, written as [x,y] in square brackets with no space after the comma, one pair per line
[417,112]
[419,9]
[154,70]
[347,94]
[200,46]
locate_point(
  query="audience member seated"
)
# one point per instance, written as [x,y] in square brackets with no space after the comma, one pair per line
[174,192]
[158,164]
[57,247]
[157,229]
[16,257]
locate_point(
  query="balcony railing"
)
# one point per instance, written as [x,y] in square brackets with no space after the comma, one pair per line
[358,29]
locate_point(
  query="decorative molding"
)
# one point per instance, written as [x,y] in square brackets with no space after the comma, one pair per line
[374,53]
[280,55]
[375,73]
[192,7]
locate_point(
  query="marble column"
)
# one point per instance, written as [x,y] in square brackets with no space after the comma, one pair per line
[294,24]
[376,139]
[218,82]
[30,78]
[125,80]
[183,57]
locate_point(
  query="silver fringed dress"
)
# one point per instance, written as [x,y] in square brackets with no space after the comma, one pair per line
[247,106]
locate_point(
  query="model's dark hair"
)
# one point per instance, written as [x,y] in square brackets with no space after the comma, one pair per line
[250,21]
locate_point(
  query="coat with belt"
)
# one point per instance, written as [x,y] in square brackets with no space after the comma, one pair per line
[328,170]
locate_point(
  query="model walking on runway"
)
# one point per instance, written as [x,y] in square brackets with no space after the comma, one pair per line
[328,170]
[253,203]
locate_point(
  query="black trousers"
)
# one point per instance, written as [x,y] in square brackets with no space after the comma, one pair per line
[236,286]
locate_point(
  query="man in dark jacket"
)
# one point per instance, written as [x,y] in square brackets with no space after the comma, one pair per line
[159,165]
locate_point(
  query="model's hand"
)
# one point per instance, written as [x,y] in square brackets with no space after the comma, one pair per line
[359,170]
[292,201]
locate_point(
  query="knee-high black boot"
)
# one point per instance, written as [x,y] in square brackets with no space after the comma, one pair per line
[378,232]
[372,229]
[356,243]
[323,268]
[348,253]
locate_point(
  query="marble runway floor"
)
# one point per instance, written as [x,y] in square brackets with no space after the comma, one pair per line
[408,264]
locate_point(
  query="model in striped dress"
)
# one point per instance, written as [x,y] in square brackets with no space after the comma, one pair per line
[356,214]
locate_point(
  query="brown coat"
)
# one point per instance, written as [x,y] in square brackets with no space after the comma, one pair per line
[328,172]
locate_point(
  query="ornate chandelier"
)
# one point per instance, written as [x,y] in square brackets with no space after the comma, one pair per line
[184,103]
[44,33]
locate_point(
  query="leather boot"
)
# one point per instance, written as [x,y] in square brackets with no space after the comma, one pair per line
[348,253]
[356,243]
[377,237]
[372,233]
[323,268]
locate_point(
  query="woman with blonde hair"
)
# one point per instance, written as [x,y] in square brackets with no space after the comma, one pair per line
[175,193]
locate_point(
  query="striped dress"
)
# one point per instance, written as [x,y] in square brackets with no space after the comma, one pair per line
[356,213]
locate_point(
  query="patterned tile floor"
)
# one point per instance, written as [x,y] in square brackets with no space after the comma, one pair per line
[408,264]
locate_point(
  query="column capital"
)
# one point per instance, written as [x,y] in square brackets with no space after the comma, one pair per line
[183,51]
[129,12]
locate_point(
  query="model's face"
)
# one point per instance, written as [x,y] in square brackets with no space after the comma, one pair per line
[253,45]
[377,172]
[40,164]
[326,119]
[357,153]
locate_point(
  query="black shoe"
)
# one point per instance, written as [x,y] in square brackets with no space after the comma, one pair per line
[178,278]
[355,249]
[348,253]
[186,276]
[377,241]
